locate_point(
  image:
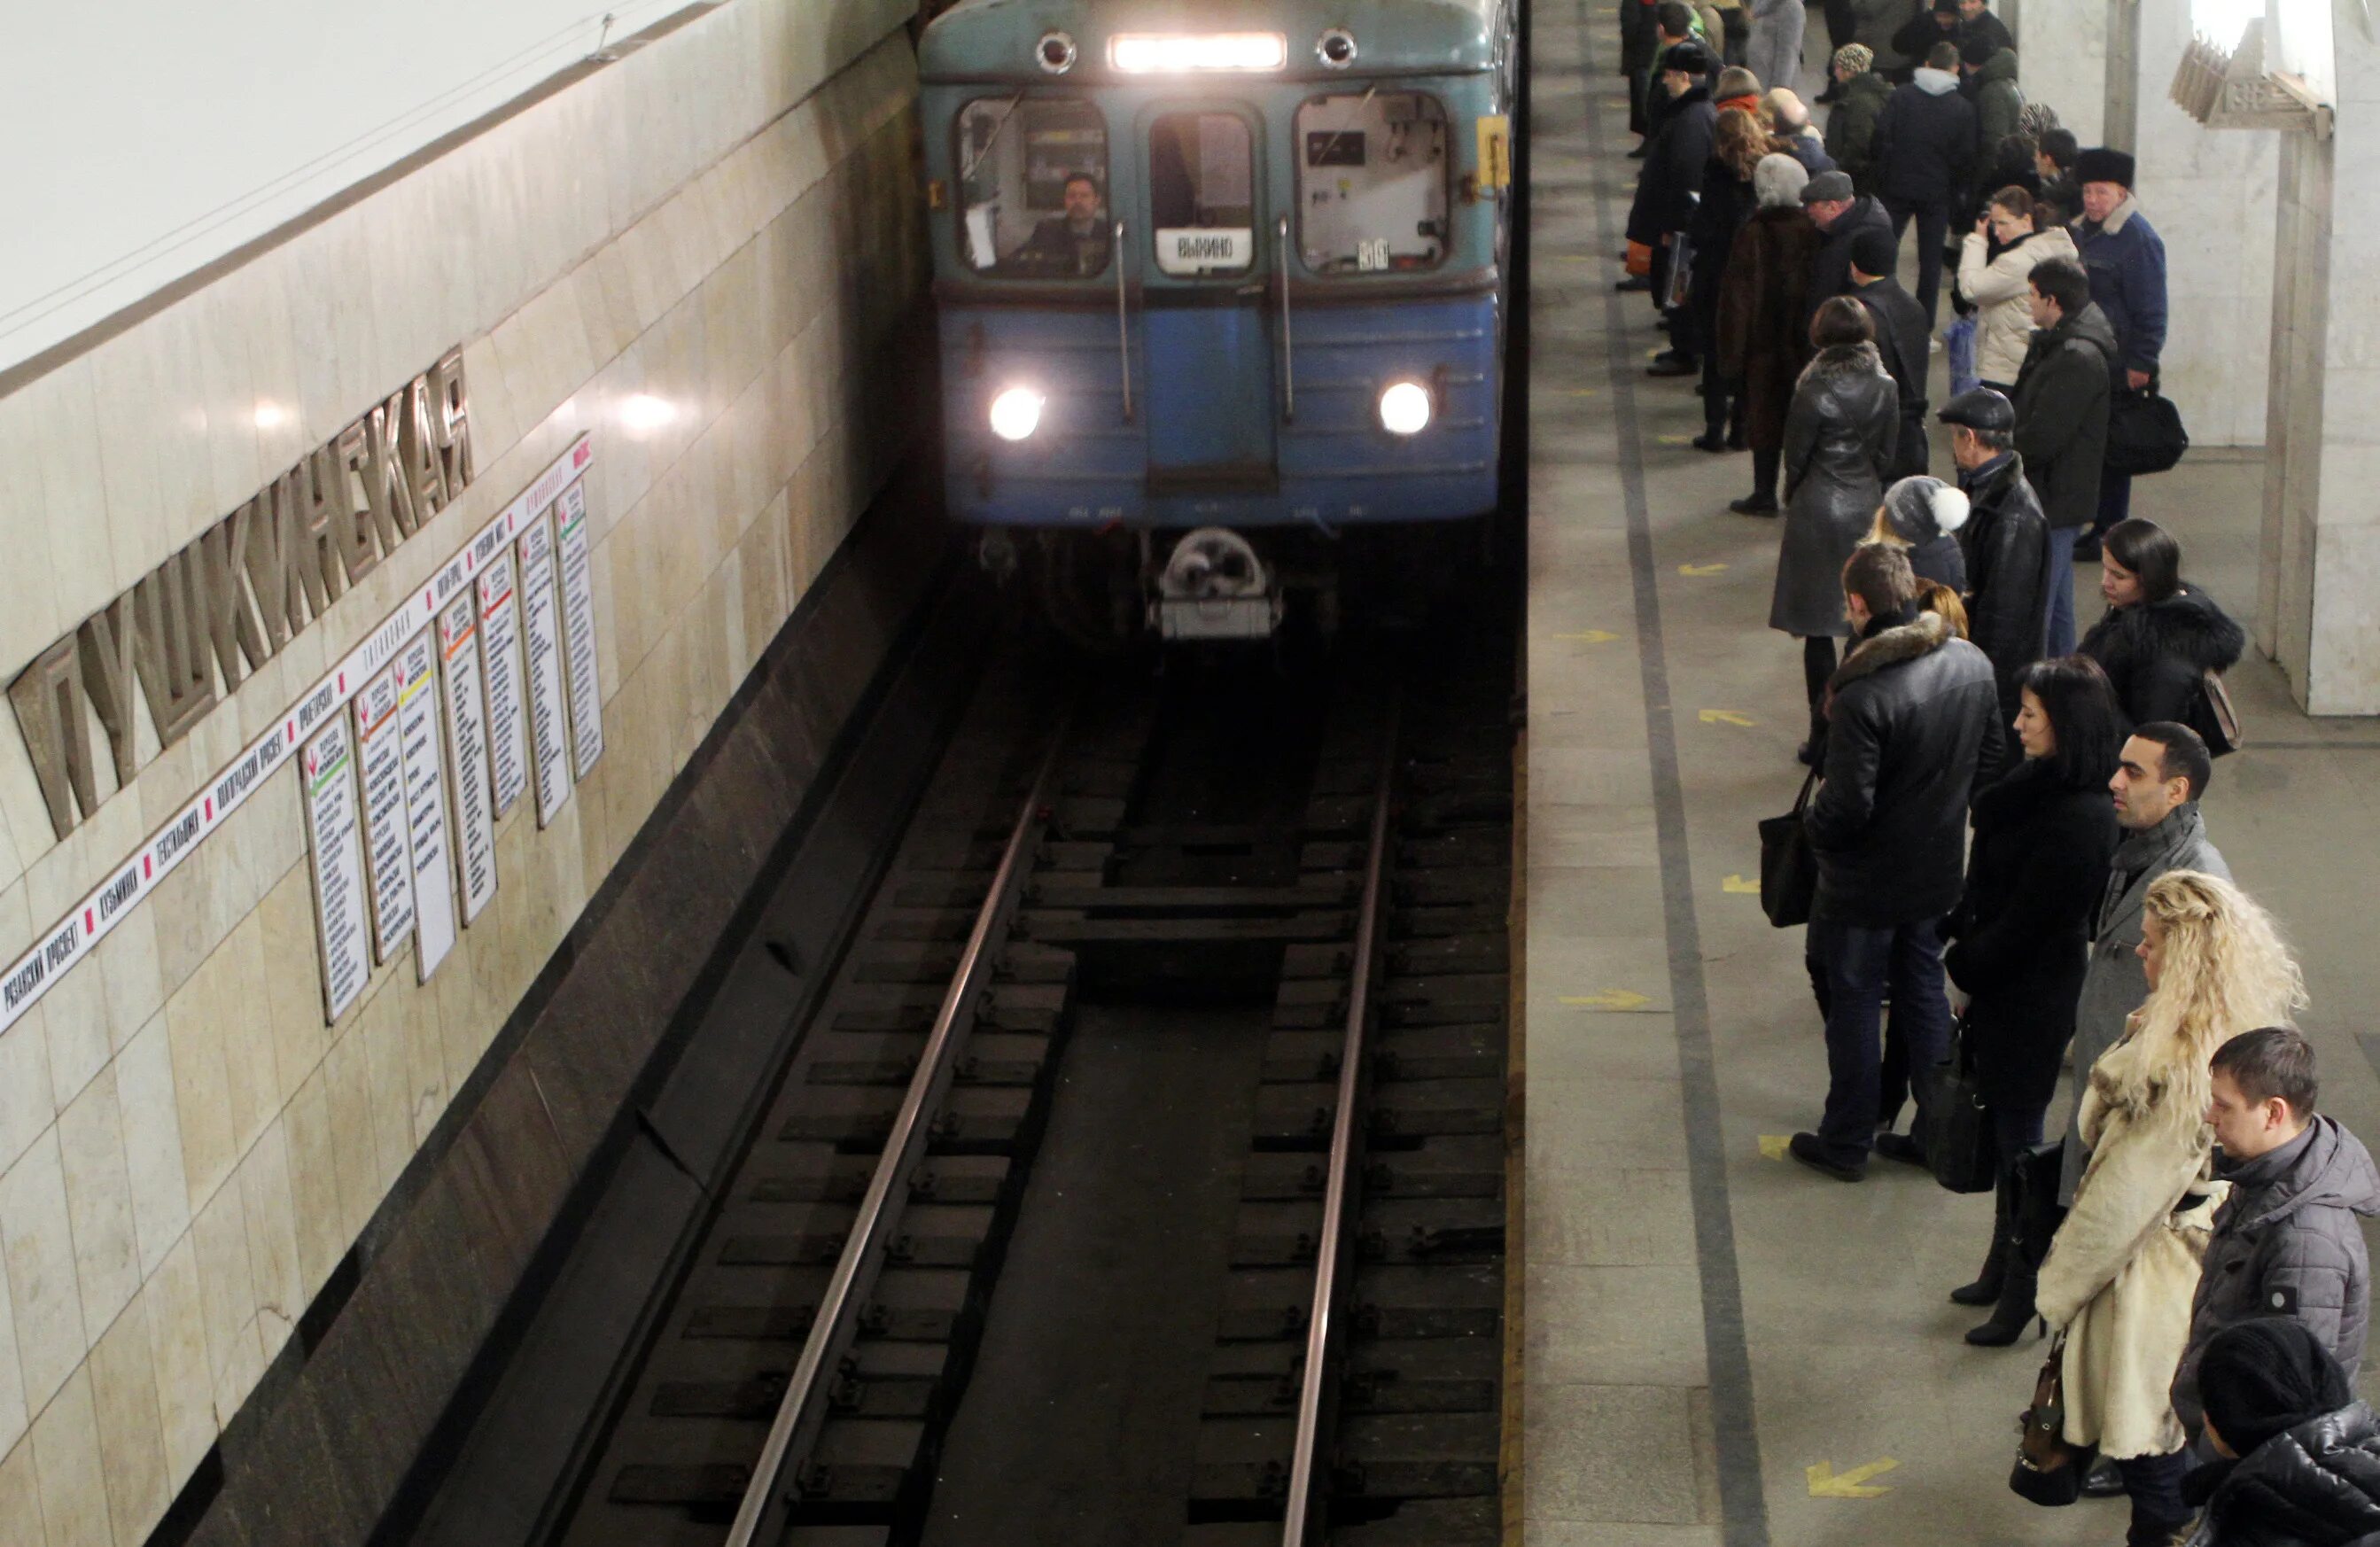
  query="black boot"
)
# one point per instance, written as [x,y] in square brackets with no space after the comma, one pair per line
[2015,1307]
[1986,1289]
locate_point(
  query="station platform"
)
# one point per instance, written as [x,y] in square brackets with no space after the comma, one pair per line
[1719,1346]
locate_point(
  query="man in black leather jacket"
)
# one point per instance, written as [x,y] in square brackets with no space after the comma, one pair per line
[2006,539]
[1913,715]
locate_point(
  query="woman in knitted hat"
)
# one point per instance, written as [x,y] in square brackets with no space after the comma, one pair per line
[1924,515]
[2123,1267]
[2302,1455]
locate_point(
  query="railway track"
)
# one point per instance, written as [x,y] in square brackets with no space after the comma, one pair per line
[1140,1173]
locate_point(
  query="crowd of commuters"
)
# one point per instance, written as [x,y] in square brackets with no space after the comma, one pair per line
[2004,808]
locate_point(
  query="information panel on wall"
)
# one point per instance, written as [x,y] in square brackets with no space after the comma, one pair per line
[381,765]
[329,772]
[542,630]
[578,629]
[425,803]
[466,747]
[319,732]
[500,651]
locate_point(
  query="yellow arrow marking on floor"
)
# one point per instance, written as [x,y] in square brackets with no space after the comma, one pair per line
[1589,636]
[1723,717]
[1608,999]
[1740,886]
[1825,1484]
[1673,440]
[1581,392]
[1772,1145]
[1696,571]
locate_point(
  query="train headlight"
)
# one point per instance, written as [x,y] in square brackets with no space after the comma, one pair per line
[1016,413]
[1405,407]
[1175,52]
[1335,48]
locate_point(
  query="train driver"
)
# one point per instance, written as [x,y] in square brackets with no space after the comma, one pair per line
[1072,243]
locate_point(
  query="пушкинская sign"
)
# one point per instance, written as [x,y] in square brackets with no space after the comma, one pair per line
[229,601]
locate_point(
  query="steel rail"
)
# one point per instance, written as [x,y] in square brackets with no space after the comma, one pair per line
[1301,1515]
[800,1412]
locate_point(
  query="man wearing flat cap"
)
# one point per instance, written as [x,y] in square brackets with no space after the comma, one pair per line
[2125,258]
[1840,214]
[2006,539]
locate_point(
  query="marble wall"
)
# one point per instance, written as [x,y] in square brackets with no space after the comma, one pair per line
[2062,48]
[724,221]
[2322,530]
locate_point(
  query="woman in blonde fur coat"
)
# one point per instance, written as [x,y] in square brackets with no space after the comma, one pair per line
[2121,1272]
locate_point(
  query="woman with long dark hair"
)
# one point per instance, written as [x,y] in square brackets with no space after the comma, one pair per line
[2160,637]
[2044,833]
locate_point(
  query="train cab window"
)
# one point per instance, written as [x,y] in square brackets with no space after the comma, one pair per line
[1202,193]
[1371,182]
[1032,183]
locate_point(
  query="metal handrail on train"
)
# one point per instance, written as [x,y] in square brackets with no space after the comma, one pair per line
[1288,355]
[1302,1522]
[1124,325]
[801,1412]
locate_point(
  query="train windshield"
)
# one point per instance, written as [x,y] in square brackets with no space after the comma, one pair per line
[1371,182]
[1033,180]
[1202,193]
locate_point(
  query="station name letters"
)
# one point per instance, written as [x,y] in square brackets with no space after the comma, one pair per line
[186,635]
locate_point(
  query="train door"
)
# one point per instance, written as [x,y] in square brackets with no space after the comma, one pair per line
[1210,347]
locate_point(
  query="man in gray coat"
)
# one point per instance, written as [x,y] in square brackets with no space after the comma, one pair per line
[2160,775]
[2286,1242]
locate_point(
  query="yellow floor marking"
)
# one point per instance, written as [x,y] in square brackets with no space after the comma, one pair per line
[1772,1145]
[1740,886]
[1723,717]
[1673,440]
[1696,571]
[1825,1484]
[1581,392]
[1606,999]
[1589,636]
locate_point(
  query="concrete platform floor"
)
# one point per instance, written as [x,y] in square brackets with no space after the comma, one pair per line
[1705,1324]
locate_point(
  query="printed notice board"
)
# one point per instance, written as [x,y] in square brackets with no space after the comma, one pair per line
[500,652]
[541,631]
[425,803]
[467,745]
[380,762]
[578,629]
[328,767]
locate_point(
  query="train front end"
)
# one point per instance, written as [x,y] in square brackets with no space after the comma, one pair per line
[1219,285]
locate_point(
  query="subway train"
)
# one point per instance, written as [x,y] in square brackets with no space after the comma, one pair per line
[1221,287]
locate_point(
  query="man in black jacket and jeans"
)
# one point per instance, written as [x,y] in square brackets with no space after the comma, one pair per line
[1669,183]
[2062,421]
[1913,716]
[2004,541]
[1925,150]
[1900,337]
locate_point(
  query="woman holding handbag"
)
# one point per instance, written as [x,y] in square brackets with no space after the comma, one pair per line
[2160,637]
[2044,833]
[2123,1267]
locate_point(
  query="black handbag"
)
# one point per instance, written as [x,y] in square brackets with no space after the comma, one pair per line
[1788,870]
[1960,1148]
[2144,433]
[2035,1212]
[2048,1469]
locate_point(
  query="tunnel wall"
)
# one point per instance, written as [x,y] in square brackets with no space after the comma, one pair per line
[698,255]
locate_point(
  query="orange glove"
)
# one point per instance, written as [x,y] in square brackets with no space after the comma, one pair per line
[1640,259]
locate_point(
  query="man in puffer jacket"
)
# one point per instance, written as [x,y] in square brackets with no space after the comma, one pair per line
[2302,1455]
[1925,149]
[2286,1242]
[1860,96]
[1990,75]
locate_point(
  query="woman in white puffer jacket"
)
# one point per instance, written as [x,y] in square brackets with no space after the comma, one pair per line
[1998,289]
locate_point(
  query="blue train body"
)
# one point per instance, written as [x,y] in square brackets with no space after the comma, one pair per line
[1196,245]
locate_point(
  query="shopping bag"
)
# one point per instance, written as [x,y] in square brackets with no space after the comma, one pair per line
[1788,870]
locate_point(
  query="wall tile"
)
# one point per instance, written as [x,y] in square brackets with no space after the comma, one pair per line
[20,1496]
[265,1185]
[146,1094]
[201,1088]
[73,1476]
[99,1202]
[318,1215]
[63,407]
[14,1415]
[26,1109]
[347,1079]
[37,1240]
[131,1435]
[254,1082]
[174,1305]
[228,1298]
[293,978]
[29,612]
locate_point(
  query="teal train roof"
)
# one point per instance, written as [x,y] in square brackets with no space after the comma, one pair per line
[996,39]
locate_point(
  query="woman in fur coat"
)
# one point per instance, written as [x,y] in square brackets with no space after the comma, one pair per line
[2122,1270]
[2160,637]
[1763,296]
[1839,438]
